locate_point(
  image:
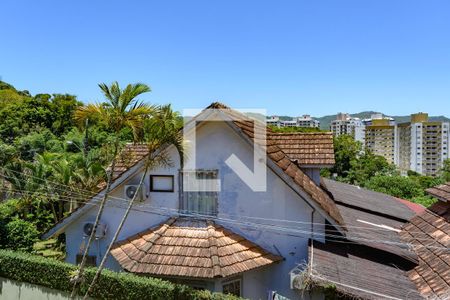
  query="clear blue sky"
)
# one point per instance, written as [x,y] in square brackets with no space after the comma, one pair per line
[290,57]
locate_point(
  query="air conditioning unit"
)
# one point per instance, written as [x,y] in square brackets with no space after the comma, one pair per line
[99,233]
[130,191]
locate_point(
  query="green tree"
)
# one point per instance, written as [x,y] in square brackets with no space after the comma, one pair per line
[121,109]
[20,117]
[162,131]
[446,170]
[397,186]
[346,152]
[367,166]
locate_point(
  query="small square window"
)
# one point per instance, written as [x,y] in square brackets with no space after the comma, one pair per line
[161,183]
[232,287]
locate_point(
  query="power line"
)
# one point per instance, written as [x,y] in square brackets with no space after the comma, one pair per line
[287,230]
[84,201]
[94,195]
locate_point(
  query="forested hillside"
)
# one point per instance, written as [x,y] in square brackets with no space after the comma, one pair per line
[51,161]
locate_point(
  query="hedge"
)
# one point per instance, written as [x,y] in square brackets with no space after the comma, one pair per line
[111,285]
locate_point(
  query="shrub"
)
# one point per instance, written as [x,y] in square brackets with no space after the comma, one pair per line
[111,285]
[21,235]
[397,186]
[8,209]
[426,201]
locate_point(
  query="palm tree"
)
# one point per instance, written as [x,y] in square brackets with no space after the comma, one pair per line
[121,110]
[88,173]
[162,130]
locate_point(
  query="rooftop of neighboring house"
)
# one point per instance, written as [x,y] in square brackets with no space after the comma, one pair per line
[312,149]
[442,192]
[400,250]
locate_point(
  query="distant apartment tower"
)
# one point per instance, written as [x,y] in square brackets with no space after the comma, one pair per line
[273,121]
[307,121]
[423,145]
[303,121]
[381,137]
[345,124]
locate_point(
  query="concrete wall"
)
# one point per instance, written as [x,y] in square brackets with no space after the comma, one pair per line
[278,220]
[15,290]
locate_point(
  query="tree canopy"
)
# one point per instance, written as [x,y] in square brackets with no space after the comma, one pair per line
[358,166]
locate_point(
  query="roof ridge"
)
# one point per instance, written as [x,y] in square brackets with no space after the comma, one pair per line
[217,270]
[217,105]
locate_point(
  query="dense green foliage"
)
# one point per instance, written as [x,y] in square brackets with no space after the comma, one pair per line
[54,151]
[49,162]
[56,275]
[359,167]
[20,235]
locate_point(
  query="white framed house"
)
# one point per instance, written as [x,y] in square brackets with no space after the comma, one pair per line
[234,240]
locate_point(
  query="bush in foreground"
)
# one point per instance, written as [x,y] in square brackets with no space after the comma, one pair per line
[111,285]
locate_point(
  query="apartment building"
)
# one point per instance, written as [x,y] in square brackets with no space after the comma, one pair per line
[307,121]
[423,145]
[273,121]
[345,124]
[303,121]
[381,138]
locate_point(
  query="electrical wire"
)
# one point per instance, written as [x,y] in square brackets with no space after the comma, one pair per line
[165,211]
[177,211]
[93,195]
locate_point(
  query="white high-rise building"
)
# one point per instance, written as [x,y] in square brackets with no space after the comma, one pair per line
[423,145]
[345,124]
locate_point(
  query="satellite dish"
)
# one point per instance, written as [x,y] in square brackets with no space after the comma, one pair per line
[130,191]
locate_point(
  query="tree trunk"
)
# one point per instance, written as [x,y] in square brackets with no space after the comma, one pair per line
[116,234]
[97,221]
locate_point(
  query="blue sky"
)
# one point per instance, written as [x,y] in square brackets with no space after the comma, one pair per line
[290,57]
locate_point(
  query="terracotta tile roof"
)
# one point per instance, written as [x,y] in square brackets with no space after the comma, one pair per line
[130,155]
[429,234]
[282,160]
[360,272]
[307,148]
[441,191]
[441,209]
[190,248]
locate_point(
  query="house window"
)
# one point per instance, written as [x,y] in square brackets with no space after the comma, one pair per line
[203,201]
[161,183]
[91,260]
[232,287]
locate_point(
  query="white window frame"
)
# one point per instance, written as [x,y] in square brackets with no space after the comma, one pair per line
[193,206]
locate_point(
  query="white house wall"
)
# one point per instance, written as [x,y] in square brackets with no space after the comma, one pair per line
[278,220]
